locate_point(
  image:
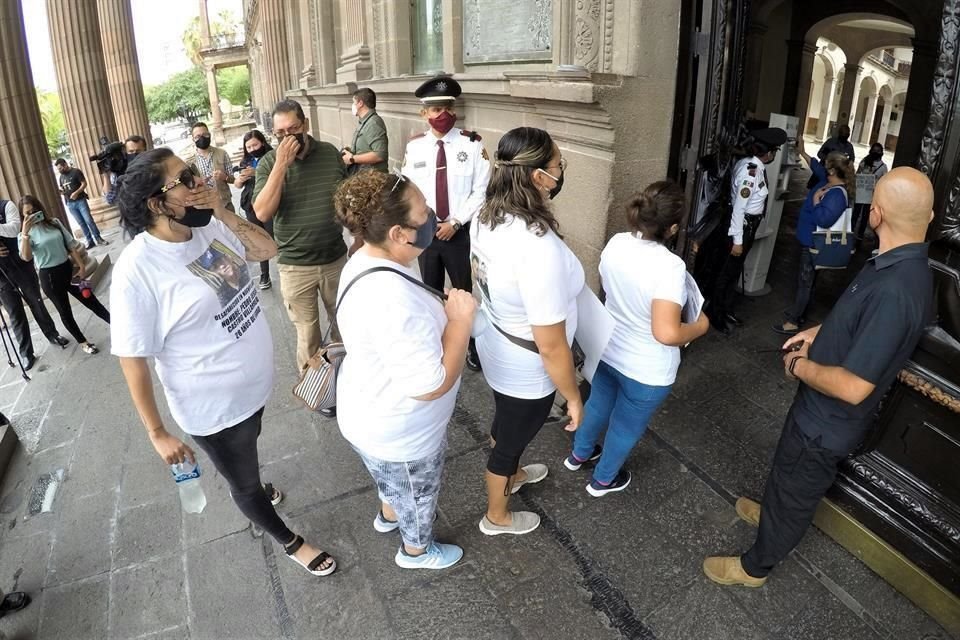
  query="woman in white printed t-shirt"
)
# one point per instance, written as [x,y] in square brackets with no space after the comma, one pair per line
[528,281]
[398,384]
[645,285]
[181,295]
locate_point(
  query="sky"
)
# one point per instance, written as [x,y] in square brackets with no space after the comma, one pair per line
[157,27]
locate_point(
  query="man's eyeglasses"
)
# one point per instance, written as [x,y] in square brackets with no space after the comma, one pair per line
[186,177]
[292,131]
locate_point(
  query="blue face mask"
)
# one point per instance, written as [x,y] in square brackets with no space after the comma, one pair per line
[426,232]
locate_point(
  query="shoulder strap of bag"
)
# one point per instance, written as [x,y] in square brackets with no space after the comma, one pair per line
[441,295]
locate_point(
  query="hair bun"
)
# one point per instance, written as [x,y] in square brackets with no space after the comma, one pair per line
[357,199]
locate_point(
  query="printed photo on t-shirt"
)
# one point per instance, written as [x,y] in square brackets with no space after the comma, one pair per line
[223,270]
[479,269]
[227,274]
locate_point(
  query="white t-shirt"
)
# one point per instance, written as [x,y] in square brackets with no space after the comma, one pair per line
[635,272]
[392,330]
[193,307]
[524,280]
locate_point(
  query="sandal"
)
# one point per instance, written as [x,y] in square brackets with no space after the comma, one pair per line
[13,601]
[322,557]
[273,494]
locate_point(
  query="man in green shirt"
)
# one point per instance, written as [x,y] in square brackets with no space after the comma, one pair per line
[370,145]
[294,188]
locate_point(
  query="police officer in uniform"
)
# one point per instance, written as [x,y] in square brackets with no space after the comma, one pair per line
[748,191]
[451,168]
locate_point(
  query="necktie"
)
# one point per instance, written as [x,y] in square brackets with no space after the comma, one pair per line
[443,198]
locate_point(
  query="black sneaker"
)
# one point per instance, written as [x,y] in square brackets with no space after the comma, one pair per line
[60,341]
[734,320]
[621,482]
[328,413]
[571,462]
[265,283]
[102,242]
[473,362]
[29,362]
[90,245]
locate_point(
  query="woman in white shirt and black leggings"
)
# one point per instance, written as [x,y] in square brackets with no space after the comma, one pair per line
[645,286]
[398,384]
[528,281]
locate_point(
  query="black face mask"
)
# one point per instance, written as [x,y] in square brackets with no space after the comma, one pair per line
[426,232]
[203,142]
[553,193]
[301,139]
[195,218]
[259,153]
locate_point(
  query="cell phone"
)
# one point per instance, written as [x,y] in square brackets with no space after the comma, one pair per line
[37,216]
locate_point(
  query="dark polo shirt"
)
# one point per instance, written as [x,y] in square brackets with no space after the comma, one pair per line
[871,332]
[306,231]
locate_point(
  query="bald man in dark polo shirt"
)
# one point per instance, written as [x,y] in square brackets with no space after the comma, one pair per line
[844,366]
[294,188]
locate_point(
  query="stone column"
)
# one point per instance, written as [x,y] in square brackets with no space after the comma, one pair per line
[84,92]
[123,69]
[204,26]
[24,160]
[756,32]
[325,57]
[276,64]
[216,116]
[826,107]
[308,73]
[796,83]
[452,36]
[355,65]
[916,106]
[851,81]
[885,122]
[868,117]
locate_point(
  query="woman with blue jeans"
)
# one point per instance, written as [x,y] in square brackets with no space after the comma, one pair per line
[825,203]
[645,285]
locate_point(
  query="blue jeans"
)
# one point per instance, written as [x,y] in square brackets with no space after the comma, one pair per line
[80,211]
[622,405]
[806,278]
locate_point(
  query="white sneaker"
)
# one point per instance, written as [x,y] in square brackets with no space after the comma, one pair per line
[383,525]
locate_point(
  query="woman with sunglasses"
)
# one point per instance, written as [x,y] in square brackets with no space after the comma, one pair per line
[398,384]
[255,146]
[213,355]
[54,252]
[528,281]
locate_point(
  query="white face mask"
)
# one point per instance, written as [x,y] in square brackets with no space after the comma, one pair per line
[354,109]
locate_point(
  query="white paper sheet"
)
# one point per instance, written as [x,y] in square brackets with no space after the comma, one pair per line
[691,310]
[594,328]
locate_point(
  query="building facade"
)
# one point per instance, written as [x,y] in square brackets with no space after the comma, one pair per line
[599,75]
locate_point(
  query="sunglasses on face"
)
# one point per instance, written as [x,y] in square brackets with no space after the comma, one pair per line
[186,177]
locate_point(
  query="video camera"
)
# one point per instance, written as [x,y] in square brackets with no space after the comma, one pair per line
[112,157]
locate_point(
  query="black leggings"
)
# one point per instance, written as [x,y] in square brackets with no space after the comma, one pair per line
[233,452]
[55,282]
[516,421]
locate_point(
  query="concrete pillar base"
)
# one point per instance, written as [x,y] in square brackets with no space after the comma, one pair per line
[106,216]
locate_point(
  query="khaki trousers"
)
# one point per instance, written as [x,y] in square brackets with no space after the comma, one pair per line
[299,286]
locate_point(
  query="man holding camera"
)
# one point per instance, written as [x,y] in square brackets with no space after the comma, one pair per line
[73,186]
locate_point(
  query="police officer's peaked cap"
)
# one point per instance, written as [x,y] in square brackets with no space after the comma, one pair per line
[771,138]
[438,89]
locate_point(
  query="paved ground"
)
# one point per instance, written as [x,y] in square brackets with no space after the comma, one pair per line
[116,557]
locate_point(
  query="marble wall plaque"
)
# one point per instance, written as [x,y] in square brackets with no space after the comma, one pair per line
[507,30]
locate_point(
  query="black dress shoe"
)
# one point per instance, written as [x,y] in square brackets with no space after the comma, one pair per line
[60,341]
[473,362]
[328,413]
[29,362]
[721,327]
[734,320]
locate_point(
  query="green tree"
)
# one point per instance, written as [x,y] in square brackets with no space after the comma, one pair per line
[54,126]
[184,90]
[226,24]
[234,84]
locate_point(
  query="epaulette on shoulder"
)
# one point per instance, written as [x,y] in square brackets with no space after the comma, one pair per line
[473,135]
[418,136]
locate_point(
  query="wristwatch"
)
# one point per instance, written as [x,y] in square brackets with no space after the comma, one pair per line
[456,225]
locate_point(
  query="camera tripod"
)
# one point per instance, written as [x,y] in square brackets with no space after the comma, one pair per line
[9,345]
